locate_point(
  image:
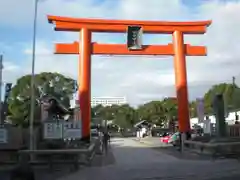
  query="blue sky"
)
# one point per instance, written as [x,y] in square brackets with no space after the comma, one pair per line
[138,78]
[17,36]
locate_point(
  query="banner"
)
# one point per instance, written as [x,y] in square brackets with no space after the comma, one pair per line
[8,88]
[4,110]
[75,86]
[200,110]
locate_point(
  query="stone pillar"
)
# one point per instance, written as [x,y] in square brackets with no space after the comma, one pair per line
[207,126]
[219,111]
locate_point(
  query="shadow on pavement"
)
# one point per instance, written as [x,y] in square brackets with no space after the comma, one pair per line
[104,160]
[185,155]
[61,171]
[42,173]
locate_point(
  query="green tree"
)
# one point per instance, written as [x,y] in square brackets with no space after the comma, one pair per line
[230,93]
[170,107]
[53,84]
[123,115]
[153,112]
[126,115]
[193,109]
[161,112]
[106,113]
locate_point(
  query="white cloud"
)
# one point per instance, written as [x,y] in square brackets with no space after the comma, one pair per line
[41,49]
[11,71]
[138,78]
[20,13]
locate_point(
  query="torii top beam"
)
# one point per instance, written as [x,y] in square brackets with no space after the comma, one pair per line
[99,25]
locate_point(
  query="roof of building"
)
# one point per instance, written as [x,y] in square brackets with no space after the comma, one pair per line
[140,123]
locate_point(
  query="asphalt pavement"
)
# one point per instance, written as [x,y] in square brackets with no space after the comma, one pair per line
[129,159]
[139,161]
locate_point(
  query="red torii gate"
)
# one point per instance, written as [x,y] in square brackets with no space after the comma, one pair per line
[84,47]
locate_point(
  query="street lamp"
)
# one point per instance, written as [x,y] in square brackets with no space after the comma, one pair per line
[33,75]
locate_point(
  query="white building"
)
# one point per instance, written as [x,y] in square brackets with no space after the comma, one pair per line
[108,101]
[105,101]
[230,119]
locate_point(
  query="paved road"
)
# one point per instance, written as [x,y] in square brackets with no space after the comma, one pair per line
[136,161]
[131,160]
[152,142]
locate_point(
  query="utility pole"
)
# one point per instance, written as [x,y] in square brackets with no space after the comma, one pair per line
[1,68]
[33,99]
[233,80]
[233,90]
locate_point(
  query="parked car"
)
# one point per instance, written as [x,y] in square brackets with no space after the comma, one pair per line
[158,132]
[165,137]
[165,134]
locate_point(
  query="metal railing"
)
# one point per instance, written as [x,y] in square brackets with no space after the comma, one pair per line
[75,157]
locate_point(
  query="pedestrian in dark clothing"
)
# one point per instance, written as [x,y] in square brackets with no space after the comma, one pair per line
[109,138]
[105,141]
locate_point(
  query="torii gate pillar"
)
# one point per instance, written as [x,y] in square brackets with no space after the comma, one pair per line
[84,77]
[181,80]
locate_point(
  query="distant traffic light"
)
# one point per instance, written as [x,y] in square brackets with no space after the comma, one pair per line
[134,37]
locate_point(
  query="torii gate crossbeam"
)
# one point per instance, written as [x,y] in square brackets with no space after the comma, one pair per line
[84,47]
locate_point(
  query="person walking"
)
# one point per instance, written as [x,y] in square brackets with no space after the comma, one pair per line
[109,137]
[105,141]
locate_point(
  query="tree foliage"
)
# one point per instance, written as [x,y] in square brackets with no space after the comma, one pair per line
[161,112]
[53,84]
[230,93]
[157,112]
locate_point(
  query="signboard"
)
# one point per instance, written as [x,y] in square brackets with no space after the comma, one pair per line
[134,37]
[53,130]
[72,130]
[3,135]
[8,88]
[200,110]
[4,108]
[63,130]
